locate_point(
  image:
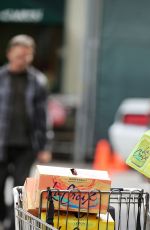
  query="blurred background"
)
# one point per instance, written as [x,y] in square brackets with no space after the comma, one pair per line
[96,57]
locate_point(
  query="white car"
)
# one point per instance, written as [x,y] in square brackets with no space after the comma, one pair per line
[131,121]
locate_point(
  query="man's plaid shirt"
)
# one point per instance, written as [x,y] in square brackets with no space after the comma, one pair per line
[36,97]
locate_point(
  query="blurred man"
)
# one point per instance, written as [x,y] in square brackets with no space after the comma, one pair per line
[23,97]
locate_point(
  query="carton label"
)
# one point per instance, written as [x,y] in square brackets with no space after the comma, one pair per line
[74,199]
[139,159]
[142,153]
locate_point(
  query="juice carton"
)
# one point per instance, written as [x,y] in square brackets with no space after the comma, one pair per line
[139,158]
[72,221]
[64,179]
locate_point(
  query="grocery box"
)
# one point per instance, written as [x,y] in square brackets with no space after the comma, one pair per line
[69,179]
[105,221]
[28,196]
[139,158]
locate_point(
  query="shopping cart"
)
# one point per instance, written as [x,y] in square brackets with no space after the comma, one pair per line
[24,220]
[128,209]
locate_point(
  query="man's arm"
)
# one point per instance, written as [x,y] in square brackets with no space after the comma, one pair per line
[40,103]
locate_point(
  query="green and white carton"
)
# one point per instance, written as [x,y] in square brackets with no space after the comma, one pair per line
[139,159]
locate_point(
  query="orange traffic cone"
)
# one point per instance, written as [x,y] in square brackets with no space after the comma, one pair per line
[117,164]
[107,160]
[102,155]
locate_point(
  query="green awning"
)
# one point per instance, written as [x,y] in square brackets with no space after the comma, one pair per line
[32,11]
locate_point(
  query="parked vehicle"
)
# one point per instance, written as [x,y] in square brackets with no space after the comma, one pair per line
[131,121]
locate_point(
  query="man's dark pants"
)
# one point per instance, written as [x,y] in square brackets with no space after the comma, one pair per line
[21,158]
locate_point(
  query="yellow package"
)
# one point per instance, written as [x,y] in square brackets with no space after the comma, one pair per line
[139,158]
[105,221]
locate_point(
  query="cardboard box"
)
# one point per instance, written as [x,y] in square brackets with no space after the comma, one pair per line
[28,196]
[73,221]
[139,158]
[64,179]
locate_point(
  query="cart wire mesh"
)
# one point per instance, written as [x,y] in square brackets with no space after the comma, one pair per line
[128,208]
[23,219]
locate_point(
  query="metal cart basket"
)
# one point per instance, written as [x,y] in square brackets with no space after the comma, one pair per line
[24,220]
[128,209]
